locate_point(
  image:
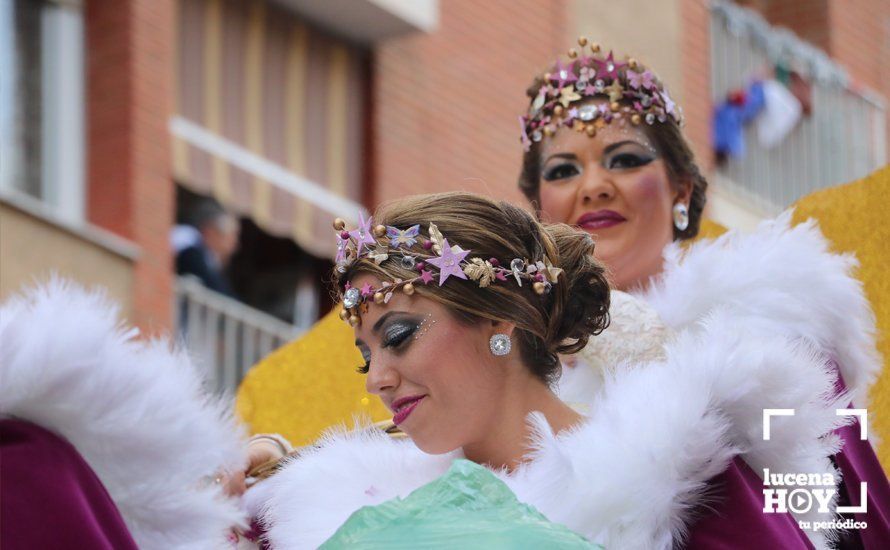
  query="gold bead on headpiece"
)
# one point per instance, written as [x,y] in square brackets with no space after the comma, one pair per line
[431,258]
[628,86]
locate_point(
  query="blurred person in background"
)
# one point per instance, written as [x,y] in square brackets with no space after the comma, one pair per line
[604,152]
[205,245]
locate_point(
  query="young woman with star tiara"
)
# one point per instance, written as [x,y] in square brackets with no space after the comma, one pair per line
[604,152]
[461,307]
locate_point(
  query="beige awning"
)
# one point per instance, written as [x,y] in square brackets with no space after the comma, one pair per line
[270,117]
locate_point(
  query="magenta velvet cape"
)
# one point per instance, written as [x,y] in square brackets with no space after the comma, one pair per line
[50,498]
[736,519]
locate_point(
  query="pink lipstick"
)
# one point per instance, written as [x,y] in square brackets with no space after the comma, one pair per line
[600,219]
[404,406]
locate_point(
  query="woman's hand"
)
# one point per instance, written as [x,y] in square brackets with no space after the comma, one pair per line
[261,449]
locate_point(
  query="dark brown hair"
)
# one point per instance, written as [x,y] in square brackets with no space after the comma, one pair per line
[671,145]
[559,322]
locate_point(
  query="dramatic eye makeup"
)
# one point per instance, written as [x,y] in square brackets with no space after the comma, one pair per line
[397,332]
[395,329]
[621,155]
[363,369]
[425,326]
[627,159]
[560,168]
[628,153]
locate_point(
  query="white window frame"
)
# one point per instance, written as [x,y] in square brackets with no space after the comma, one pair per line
[63,106]
[63,136]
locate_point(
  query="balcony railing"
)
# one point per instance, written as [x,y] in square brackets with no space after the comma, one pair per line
[225,337]
[843,139]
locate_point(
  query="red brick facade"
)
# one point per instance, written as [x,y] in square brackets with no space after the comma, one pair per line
[446,104]
[443,106]
[695,49]
[809,19]
[859,39]
[129,45]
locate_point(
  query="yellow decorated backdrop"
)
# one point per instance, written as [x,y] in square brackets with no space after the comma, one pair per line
[855,219]
[308,385]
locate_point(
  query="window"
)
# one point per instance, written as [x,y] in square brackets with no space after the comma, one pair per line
[42,103]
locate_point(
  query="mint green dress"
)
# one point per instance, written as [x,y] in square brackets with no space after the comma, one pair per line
[468,507]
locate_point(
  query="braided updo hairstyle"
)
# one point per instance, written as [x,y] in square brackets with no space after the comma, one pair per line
[558,322]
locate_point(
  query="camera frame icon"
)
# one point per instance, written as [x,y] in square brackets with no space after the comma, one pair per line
[862,414]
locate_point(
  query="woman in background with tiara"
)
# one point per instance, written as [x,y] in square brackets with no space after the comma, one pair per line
[605,153]
[461,307]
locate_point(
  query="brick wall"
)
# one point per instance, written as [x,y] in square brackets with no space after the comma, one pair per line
[129,81]
[807,18]
[447,103]
[860,40]
[695,48]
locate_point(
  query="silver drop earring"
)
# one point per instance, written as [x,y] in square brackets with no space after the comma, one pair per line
[681,216]
[500,344]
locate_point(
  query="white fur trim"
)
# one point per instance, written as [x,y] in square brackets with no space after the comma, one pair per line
[304,504]
[781,279]
[630,475]
[134,410]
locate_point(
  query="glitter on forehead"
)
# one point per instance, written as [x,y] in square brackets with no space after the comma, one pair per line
[608,135]
[626,134]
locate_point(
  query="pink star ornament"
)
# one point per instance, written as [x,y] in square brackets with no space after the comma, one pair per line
[362,234]
[563,74]
[608,67]
[449,262]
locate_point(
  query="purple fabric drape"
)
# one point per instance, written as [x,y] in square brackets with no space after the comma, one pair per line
[857,462]
[736,520]
[49,496]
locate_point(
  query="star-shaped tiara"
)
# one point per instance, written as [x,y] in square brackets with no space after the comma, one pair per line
[433,258]
[633,92]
